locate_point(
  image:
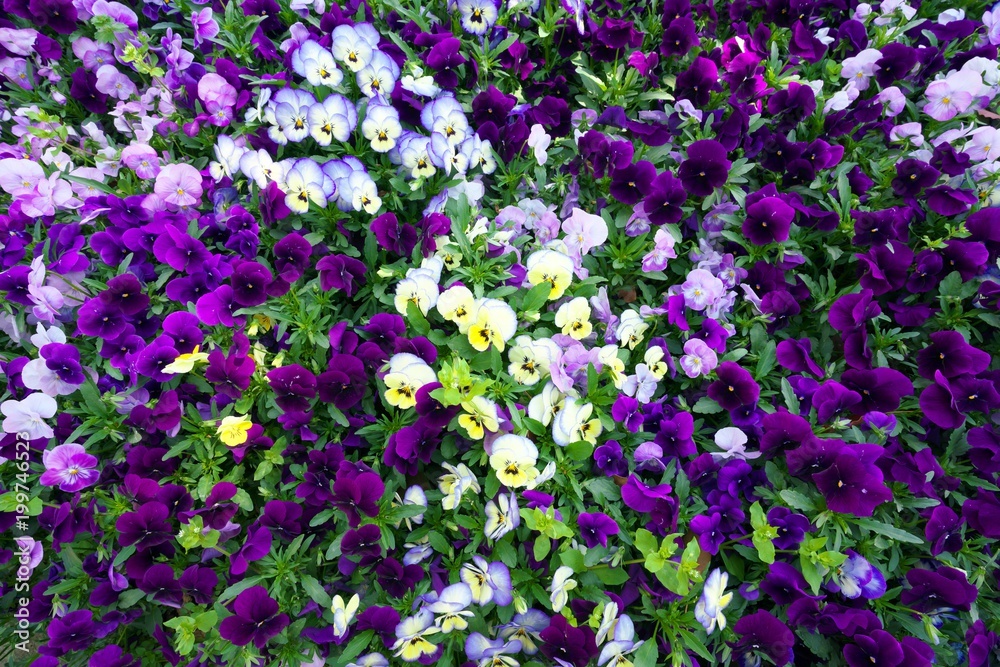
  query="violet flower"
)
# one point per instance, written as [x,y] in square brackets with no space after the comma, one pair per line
[69,467]
[705,168]
[595,528]
[256,619]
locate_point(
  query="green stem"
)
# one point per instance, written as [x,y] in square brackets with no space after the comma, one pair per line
[601,566]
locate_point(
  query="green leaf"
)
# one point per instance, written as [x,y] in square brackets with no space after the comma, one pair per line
[580,450]
[655,563]
[612,576]
[354,648]
[536,427]
[90,183]
[646,542]
[595,556]
[405,512]
[812,573]
[417,319]
[315,591]
[130,597]
[647,655]
[238,588]
[757,518]
[798,500]
[765,549]
[205,621]
[439,543]
[506,552]
[536,297]
[758,338]
[706,406]
[951,285]
[574,559]
[322,517]
[897,534]
[692,642]
[673,580]
[124,555]
[788,393]
[767,360]
[542,546]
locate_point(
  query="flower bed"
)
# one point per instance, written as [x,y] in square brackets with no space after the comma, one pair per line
[538,333]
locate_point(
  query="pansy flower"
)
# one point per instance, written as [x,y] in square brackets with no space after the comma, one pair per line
[69,467]
[381,127]
[233,430]
[411,643]
[316,64]
[28,416]
[179,184]
[480,416]
[513,459]
[457,304]
[455,483]
[713,600]
[545,405]
[305,182]
[549,266]
[502,516]
[491,653]
[333,118]
[407,374]
[490,582]
[363,192]
[343,614]
[574,423]
[622,644]
[419,287]
[631,329]
[525,627]
[450,607]
[858,578]
[573,318]
[562,584]
[351,46]
[379,76]
[494,323]
[290,115]
[530,359]
[478,16]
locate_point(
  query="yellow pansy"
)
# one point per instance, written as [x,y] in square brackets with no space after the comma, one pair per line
[454,485]
[501,516]
[574,424]
[457,304]
[530,359]
[481,416]
[343,613]
[561,586]
[630,329]
[554,268]
[451,257]
[545,406]
[234,429]
[407,374]
[654,361]
[184,363]
[608,356]
[420,287]
[495,323]
[411,644]
[514,459]
[574,318]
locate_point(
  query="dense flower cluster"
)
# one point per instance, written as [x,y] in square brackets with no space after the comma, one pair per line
[490,333]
